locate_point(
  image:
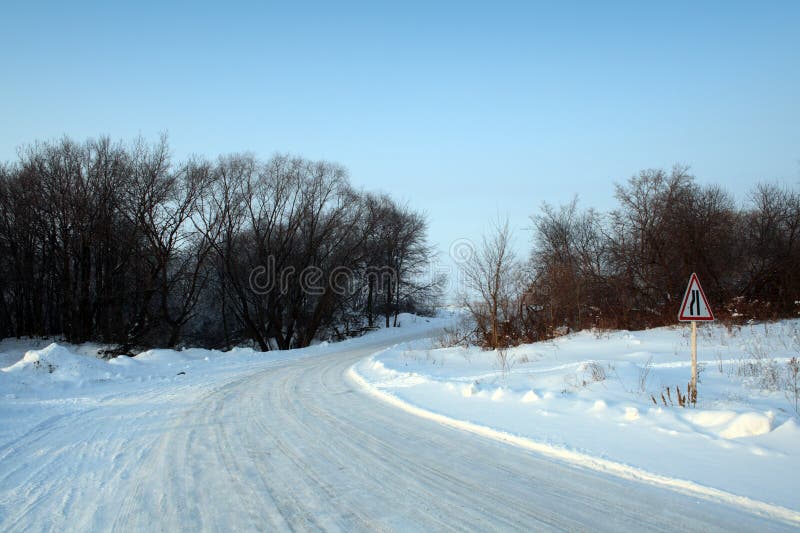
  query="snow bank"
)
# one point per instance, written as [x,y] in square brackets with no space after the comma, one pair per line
[594,392]
[59,364]
[748,425]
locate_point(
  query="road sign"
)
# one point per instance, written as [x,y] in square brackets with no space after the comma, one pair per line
[694,308]
[695,305]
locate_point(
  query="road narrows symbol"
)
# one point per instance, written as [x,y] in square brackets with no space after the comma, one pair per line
[695,304]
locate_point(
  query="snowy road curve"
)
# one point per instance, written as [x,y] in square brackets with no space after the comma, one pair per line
[297,446]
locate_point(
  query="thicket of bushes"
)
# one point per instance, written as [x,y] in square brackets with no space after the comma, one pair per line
[119,244]
[629,268]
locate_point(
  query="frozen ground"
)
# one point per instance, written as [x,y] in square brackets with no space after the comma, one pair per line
[198,440]
[588,398]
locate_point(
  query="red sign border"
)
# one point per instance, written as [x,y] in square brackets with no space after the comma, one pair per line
[681,318]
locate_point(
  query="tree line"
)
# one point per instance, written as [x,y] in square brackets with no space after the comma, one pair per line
[629,268]
[117,243]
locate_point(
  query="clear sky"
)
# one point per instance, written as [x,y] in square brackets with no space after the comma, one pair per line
[465,110]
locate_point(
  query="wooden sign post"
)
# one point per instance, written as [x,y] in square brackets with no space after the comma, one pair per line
[694,308]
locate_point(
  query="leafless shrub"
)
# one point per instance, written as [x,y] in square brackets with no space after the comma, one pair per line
[593,372]
[644,374]
[601,333]
[761,369]
[663,398]
[459,334]
[763,372]
[684,400]
[681,397]
[720,362]
[505,361]
[596,371]
[588,373]
[771,376]
[793,383]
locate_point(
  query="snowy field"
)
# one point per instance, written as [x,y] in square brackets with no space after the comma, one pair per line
[595,398]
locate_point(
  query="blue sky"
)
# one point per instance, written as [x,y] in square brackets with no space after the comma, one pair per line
[465,110]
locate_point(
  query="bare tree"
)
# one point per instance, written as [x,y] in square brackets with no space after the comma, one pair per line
[770,253]
[570,260]
[491,275]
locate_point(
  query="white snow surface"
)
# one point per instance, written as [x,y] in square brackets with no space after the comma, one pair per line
[586,398]
[201,440]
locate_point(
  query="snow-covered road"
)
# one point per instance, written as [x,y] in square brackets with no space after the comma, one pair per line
[296,445]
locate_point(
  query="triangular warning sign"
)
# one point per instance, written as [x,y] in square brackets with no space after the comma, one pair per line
[695,305]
